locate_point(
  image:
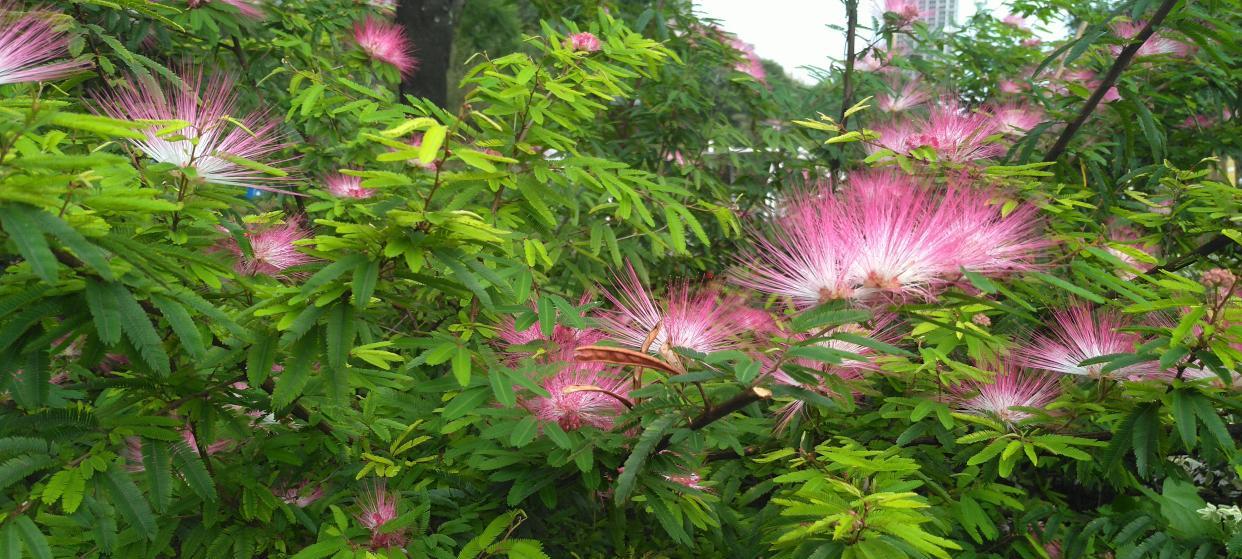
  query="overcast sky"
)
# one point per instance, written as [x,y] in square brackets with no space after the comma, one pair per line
[794,33]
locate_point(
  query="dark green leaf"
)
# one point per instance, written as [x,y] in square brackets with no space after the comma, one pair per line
[28,236]
[127,499]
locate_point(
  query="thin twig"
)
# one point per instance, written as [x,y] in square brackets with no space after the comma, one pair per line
[1110,79]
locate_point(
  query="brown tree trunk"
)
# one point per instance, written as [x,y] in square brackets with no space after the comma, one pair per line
[429,24]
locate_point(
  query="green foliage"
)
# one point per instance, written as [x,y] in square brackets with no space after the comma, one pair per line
[158,399]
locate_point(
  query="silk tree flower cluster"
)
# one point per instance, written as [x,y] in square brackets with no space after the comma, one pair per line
[1159,44]
[585,42]
[957,135]
[377,508]
[705,320]
[30,44]
[579,394]
[750,64]
[272,251]
[387,43]
[211,140]
[902,12]
[887,236]
[1002,396]
[346,186]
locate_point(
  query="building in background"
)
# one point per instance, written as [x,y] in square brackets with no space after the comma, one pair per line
[939,13]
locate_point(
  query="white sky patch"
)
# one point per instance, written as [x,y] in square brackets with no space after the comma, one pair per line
[795,33]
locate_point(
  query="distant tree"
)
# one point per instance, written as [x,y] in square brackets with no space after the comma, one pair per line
[430,24]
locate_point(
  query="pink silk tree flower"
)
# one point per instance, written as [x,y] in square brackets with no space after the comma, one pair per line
[248,8]
[346,186]
[1156,45]
[1011,87]
[750,64]
[581,395]
[584,41]
[901,245]
[271,249]
[909,96]
[1077,334]
[560,345]
[894,136]
[958,136]
[29,45]
[989,242]
[378,507]
[1016,119]
[1016,21]
[209,140]
[706,321]
[904,12]
[386,42]
[805,258]
[1010,388]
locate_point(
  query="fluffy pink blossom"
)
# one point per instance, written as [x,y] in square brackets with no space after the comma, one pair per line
[581,395]
[706,321]
[1016,21]
[886,235]
[1157,44]
[386,42]
[957,135]
[894,136]
[1009,389]
[248,8]
[1077,334]
[378,507]
[271,249]
[1031,42]
[1011,87]
[555,348]
[29,45]
[909,96]
[904,12]
[346,186]
[989,242]
[1015,118]
[750,64]
[210,139]
[806,257]
[584,41]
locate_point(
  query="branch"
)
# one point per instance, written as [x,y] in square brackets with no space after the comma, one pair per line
[1110,79]
[745,398]
[1215,244]
[847,83]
